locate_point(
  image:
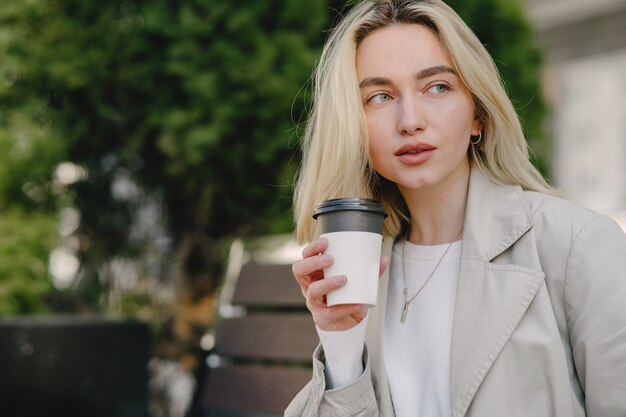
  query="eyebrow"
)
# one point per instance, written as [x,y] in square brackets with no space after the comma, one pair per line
[425,73]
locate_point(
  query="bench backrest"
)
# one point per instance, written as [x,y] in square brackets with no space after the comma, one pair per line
[264,354]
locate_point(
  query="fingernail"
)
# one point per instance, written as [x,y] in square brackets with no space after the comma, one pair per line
[341,279]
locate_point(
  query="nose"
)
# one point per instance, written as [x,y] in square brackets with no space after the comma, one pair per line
[411,118]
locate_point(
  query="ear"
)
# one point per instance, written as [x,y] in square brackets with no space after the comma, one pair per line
[478,124]
[477,127]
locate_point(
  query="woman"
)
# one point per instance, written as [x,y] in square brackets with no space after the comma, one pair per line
[499,299]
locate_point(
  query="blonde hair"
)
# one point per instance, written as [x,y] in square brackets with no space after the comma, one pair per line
[336,160]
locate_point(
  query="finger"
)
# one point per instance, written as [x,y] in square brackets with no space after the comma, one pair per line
[305,281]
[384,263]
[343,310]
[311,266]
[315,247]
[310,270]
[339,317]
[318,290]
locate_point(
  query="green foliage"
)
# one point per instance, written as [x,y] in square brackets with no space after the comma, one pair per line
[193,98]
[29,151]
[226,144]
[26,242]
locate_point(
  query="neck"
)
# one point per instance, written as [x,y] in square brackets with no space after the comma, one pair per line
[438,212]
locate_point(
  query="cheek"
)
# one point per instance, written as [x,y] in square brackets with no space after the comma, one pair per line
[379,149]
[375,125]
[376,152]
[459,121]
[378,137]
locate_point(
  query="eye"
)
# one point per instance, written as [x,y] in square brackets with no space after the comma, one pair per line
[439,88]
[379,98]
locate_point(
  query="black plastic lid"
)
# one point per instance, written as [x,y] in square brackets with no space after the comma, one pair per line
[352,204]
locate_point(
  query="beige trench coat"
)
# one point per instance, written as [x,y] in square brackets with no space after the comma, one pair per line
[539,321]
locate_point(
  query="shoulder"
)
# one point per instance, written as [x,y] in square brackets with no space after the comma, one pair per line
[499,214]
[564,220]
[545,207]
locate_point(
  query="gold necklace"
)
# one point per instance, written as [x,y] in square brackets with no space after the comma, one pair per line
[405,310]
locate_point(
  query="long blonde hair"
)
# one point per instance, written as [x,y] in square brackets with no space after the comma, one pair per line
[335,148]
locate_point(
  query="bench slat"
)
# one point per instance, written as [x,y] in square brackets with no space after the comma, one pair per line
[253,388]
[268,336]
[267,285]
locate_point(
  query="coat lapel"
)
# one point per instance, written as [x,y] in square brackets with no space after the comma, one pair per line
[491,297]
[374,339]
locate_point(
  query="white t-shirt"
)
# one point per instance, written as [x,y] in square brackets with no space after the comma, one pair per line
[416,352]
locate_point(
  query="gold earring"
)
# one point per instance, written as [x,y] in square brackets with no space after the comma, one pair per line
[480,137]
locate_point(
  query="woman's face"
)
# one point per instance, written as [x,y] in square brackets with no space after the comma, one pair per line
[419,115]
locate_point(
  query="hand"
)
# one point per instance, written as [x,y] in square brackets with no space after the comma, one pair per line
[309,273]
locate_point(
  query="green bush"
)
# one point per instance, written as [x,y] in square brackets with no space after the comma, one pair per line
[25,243]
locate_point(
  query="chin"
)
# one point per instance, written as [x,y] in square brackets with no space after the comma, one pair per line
[415,183]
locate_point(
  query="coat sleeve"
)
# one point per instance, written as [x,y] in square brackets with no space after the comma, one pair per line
[356,399]
[595,303]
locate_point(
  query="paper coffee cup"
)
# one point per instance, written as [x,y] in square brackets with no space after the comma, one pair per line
[353,227]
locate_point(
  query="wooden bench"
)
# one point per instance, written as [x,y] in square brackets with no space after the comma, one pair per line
[263,345]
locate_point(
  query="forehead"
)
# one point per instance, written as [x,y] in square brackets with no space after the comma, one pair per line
[405,47]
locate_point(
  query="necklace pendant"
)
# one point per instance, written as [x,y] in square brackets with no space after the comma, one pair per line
[405,310]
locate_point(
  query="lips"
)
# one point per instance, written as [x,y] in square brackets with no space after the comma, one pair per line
[415,153]
[412,149]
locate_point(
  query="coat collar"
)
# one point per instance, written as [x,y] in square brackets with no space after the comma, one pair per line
[496,216]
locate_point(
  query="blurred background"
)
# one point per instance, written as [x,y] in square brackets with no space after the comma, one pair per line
[141,140]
